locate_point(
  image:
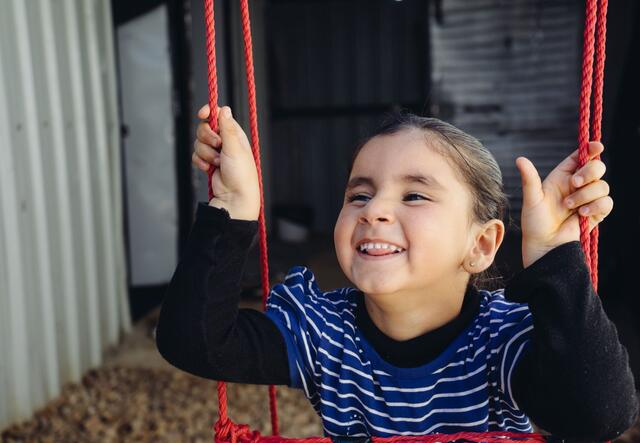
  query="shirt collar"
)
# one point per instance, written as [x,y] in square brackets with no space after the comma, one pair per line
[424,348]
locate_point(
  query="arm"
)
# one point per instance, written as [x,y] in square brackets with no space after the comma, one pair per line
[575,380]
[201,330]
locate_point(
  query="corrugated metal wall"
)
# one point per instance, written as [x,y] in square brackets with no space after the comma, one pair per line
[508,72]
[335,67]
[62,271]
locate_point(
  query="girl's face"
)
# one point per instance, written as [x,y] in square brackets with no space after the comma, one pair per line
[403,194]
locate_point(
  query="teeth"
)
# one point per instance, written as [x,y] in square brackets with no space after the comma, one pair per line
[365,246]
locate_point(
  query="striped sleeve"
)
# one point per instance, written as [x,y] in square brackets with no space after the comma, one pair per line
[513,335]
[288,307]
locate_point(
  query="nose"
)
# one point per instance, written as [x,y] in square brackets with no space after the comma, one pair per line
[376,210]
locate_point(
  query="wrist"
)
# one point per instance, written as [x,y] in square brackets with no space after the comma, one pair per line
[237,210]
[532,253]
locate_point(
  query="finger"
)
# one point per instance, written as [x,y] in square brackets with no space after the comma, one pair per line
[204,164]
[206,135]
[595,149]
[570,164]
[587,194]
[203,113]
[233,137]
[598,209]
[199,163]
[531,184]
[209,160]
[205,152]
[590,172]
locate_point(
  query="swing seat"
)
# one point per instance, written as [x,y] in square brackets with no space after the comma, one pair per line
[230,432]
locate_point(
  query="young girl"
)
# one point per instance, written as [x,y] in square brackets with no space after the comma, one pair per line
[414,347]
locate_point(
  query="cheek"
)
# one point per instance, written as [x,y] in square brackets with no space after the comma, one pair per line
[427,234]
[339,232]
[342,234]
[434,237]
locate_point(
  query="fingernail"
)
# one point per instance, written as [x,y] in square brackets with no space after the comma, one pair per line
[584,210]
[227,112]
[578,180]
[569,203]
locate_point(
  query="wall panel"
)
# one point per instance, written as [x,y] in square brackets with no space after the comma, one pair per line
[508,73]
[62,270]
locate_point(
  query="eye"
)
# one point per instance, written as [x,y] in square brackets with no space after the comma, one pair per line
[413,197]
[357,197]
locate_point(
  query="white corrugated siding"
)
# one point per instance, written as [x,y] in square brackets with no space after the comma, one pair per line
[62,271]
[508,72]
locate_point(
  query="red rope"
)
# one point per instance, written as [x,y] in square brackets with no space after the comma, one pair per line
[592,83]
[209,18]
[596,122]
[255,139]
[595,14]
[224,426]
[212,76]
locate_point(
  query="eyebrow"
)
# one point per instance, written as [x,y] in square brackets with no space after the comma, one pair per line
[427,180]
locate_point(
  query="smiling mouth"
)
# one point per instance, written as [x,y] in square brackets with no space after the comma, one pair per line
[383,256]
[375,249]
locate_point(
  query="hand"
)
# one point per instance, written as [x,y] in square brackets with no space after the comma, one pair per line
[235,179]
[550,209]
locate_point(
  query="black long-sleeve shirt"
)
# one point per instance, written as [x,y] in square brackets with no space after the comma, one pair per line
[575,381]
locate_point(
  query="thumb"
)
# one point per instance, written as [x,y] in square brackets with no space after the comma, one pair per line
[234,140]
[531,183]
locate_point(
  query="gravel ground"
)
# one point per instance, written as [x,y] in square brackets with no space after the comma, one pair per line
[136,396]
[119,404]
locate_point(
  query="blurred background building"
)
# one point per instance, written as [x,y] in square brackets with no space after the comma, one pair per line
[97,117]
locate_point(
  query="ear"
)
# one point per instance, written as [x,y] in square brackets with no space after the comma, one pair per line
[486,244]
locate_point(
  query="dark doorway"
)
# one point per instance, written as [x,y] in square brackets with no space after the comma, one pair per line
[153,67]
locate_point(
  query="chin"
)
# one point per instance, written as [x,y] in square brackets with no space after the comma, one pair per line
[376,285]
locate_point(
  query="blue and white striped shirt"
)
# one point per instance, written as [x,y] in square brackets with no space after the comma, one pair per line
[357,393]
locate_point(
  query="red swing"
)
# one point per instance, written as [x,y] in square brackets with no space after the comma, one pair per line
[592,83]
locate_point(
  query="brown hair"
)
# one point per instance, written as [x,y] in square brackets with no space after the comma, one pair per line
[473,163]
